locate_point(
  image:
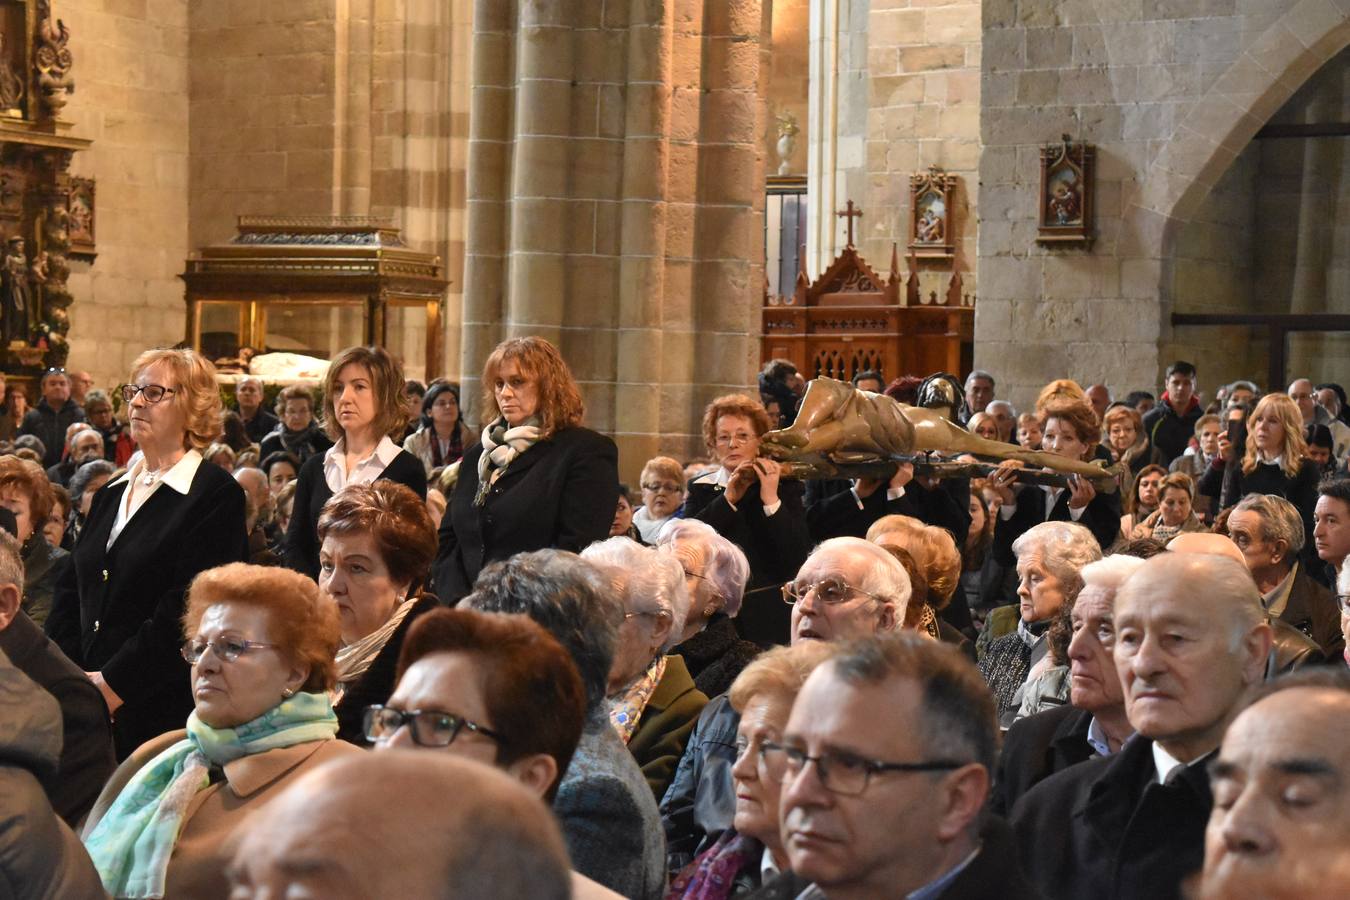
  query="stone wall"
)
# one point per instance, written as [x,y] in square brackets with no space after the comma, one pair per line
[1170,93]
[131,76]
[615,203]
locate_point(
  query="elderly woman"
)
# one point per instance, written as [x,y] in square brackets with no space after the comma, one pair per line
[441,434]
[715,572]
[537,479]
[260,642]
[25,491]
[1122,430]
[1141,500]
[1050,558]
[362,408]
[1174,514]
[84,484]
[751,851]
[935,553]
[747,503]
[298,433]
[376,546]
[1070,430]
[653,701]
[148,534]
[118,446]
[662,483]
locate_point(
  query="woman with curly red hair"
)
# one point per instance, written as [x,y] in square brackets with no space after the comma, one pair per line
[747,503]
[536,478]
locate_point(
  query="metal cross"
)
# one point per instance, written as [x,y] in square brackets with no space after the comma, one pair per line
[850,214]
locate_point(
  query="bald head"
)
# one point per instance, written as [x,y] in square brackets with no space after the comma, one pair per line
[379,825]
[1203,542]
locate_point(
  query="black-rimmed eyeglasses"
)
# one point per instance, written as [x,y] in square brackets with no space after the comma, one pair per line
[429,727]
[153,393]
[840,773]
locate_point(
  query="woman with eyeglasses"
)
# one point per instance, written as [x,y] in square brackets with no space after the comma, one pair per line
[117,609]
[376,546]
[653,703]
[441,434]
[751,851]
[747,503]
[536,479]
[260,642]
[715,572]
[662,483]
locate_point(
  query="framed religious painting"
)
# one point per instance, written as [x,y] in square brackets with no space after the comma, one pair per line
[80,206]
[1066,193]
[930,201]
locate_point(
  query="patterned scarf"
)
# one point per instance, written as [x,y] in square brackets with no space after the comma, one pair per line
[501,445]
[713,874]
[132,843]
[625,709]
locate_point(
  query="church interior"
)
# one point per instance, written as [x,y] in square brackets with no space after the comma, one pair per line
[675,191]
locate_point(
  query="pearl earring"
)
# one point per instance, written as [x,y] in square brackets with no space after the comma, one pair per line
[288,693]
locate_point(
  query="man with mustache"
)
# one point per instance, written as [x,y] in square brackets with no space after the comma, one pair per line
[1190,639]
[885,765]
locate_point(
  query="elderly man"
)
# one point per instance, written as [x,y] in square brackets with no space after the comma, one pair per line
[1099,395]
[80,384]
[1095,723]
[1269,532]
[86,754]
[379,825]
[258,515]
[1282,794]
[607,811]
[248,398]
[847,588]
[1132,824]
[55,412]
[83,444]
[1302,392]
[979,394]
[885,766]
[1004,415]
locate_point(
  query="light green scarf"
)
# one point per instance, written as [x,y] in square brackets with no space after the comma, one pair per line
[132,843]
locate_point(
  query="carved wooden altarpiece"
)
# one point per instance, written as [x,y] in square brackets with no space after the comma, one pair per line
[851,319]
[36,147]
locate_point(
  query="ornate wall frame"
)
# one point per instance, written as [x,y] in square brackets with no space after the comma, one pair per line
[931,195]
[1067,191]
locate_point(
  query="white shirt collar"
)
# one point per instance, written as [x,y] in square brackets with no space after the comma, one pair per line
[180,474]
[768,869]
[1096,738]
[366,470]
[719,476]
[1164,762]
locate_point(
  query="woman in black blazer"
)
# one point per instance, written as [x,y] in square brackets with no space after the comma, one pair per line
[117,611]
[746,503]
[362,408]
[536,479]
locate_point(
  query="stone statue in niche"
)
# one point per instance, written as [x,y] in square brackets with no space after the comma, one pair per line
[53,60]
[15,290]
[11,85]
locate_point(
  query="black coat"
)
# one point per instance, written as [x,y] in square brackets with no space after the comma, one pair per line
[1101,516]
[1107,829]
[49,426]
[260,426]
[87,747]
[376,683]
[312,492]
[716,655]
[1036,747]
[836,513]
[1168,431]
[560,493]
[775,546]
[120,610]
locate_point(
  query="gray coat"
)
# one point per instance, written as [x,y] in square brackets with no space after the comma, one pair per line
[40,857]
[609,817]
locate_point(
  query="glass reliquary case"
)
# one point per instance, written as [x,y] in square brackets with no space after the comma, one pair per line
[287,293]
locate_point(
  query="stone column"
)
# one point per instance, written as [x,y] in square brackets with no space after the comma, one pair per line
[615,203]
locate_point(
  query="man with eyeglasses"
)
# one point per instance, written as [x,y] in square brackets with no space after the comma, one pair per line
[1190,639]
[55,413]
[885,766]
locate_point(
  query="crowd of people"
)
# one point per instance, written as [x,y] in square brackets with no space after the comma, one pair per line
[356,647]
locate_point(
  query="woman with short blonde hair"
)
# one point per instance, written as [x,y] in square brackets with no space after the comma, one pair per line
[363,409]
[535,479]
[663,490]
[172,515]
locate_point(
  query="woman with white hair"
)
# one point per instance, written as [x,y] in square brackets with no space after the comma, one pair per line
[1050,559]
[715,573]
[653,700]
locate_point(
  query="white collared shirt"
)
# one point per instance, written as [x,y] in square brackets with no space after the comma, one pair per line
[768,869]
[178,478]
[335,472]
[1165,762]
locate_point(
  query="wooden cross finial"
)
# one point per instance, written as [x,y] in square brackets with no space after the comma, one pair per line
[850,213]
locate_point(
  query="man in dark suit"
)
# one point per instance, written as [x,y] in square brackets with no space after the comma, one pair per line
[248,398]
[1190,639]
[86,759]
[885,765]
[1038,746]
[1269,532]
